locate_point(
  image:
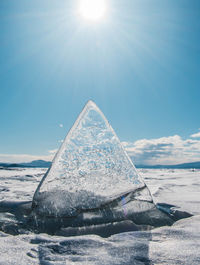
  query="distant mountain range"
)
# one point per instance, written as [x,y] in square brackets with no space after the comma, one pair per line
[178,166]
[35,163]
[46,164]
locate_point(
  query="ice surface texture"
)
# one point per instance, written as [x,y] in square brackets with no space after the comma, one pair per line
[90,169]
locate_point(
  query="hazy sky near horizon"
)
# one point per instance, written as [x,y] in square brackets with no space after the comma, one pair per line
[140,64]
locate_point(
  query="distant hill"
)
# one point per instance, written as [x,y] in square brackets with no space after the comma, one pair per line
[46,164]
[178,166]
[35,163]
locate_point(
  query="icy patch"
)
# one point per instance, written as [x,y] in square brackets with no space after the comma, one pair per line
[178,244]
[180,187]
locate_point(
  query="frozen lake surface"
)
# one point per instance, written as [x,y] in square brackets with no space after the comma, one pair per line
[178,244]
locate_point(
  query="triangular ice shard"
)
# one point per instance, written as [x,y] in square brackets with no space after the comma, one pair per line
[90,169]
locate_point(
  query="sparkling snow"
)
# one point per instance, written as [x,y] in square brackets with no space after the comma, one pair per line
[178,244]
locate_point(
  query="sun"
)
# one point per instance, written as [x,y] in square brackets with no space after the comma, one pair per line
[92,9]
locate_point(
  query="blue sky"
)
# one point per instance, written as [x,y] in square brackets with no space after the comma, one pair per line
[140,64]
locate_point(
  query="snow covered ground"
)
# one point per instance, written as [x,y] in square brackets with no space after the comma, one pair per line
[178,244]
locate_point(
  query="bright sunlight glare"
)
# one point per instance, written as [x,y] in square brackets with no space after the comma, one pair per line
[92,9]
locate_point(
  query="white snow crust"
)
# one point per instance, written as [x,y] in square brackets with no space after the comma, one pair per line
[178,244]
